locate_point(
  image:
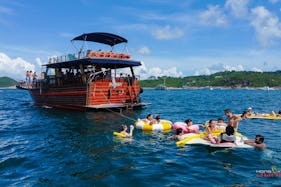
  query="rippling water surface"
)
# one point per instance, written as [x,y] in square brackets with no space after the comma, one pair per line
[46,146]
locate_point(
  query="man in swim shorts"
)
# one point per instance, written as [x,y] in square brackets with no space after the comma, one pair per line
[233,120]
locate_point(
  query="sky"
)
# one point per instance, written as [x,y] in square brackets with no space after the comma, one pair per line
[171,38]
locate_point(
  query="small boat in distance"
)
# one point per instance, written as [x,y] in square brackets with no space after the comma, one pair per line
[161,86]
[89,79]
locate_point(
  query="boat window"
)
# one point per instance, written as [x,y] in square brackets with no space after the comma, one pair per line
[50,71]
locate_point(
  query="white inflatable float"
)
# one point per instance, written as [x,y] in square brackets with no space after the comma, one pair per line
[201,138]
[162,126]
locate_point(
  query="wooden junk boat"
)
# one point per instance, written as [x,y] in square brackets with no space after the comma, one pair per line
[89,79]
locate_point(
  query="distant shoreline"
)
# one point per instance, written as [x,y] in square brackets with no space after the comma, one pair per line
[217,88]
[9,87]
[196,88]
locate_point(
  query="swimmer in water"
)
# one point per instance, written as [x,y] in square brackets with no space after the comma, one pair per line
[178,135]
[124,130]
[258,142]
[149,119]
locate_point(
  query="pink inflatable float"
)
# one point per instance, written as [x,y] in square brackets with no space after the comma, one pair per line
[185,128]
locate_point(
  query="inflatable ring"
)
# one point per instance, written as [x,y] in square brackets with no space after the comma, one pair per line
[162,126]
[119,134]
[185,129]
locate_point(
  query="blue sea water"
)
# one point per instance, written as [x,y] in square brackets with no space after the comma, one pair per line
[51,147]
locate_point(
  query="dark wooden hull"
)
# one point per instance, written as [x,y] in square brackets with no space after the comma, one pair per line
[74,98]
[65,97]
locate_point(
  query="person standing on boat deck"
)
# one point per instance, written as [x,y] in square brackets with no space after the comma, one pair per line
[124,130]
[30,79]
[59,77]
[233,120]
[34,77]
[26,79]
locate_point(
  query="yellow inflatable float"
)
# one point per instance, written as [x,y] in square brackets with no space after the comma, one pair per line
[264,116]
[162,126]
[191,136]
[119,134]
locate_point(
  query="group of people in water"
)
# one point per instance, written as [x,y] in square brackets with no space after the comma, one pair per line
[250,113]
[227,129]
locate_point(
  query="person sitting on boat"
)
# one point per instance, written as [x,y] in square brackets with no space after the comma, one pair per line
[178,135]
[124,130]
[258,142]
[108,74]
[98,73]
[227,136]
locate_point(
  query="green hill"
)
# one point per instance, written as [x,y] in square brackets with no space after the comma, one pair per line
[233,79]
[7,82]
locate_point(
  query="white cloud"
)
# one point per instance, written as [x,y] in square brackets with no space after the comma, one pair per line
[145,72]
[144,50]
[234,68]
[172,72]
[257,70]
[218,68]
[38,62]
[238,8]
[214,16]
[273,1]
[14,68]
[267,26]
[204,71]
[167,33]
